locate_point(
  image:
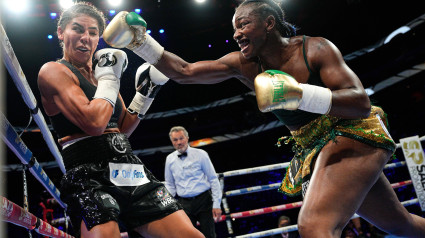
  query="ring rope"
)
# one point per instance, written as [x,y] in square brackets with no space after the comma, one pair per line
[21,83]
[13,213]
[62,221]
[261,188]
[185,110]
[255,169]
[288,206]
[282,207]
[15,143]
[295,227]
[216,139]
[286,165]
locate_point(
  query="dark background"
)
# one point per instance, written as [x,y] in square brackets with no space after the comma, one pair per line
[354,26]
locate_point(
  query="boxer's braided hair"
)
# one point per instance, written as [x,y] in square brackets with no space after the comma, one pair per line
[268,7]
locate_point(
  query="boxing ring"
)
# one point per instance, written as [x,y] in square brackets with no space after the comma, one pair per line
[230,216]
[15,214]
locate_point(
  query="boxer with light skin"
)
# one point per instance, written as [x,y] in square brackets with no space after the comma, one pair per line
[81,98]
[340,139]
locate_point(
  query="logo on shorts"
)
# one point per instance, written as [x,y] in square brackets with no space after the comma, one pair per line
[115,173]
[127,174]
[164,197]
[118,144]
[160,193]
[106,201]
[109,198]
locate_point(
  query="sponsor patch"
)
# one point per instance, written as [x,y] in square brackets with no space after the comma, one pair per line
[415,160]
[127,174]
[164,197]
[118,144]
[107,200]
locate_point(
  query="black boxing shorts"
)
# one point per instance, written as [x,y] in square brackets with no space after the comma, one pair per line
[106,182]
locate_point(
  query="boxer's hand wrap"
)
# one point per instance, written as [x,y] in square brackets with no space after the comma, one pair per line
[129,30]
[148,81]
[109,64]
[315,99]
[278,90]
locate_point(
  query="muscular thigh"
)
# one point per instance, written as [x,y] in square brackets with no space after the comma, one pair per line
[343,174]
[175,225]
[381,205]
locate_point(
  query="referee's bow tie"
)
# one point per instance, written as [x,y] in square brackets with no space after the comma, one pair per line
[182,154]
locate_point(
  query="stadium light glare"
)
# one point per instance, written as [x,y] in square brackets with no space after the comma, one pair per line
[65,4]
[115,3]
[17,6]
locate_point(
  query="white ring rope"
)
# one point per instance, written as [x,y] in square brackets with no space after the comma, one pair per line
[260,188]
[286,164]
[18,76]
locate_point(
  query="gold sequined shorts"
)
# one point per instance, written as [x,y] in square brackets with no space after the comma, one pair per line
[311,138]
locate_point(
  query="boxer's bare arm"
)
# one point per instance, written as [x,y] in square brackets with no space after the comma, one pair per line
[129,30]
[128,122]
[61,94]
[201,72]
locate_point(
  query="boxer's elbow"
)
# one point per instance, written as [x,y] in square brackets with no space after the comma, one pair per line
[185,76]
[94,130]
[365,111]
[363,106]
[94,127]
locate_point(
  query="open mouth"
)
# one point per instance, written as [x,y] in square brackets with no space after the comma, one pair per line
[243,44]
[82,49]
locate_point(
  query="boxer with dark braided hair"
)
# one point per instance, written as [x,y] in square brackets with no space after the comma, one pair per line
[340,139]
[268,7]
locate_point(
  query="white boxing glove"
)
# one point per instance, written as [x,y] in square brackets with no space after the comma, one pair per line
[109,65]
[129,30]
[148,81]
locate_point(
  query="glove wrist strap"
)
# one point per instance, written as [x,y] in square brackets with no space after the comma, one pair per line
[315,99]
[140,105]
[107,89]
[150,50]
